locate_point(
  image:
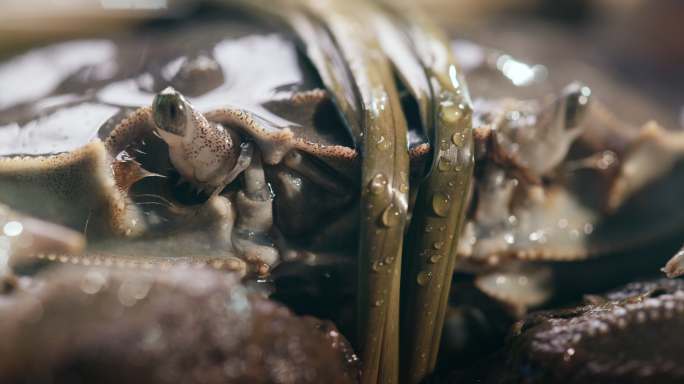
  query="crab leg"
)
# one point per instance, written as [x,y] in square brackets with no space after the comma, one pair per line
[255,215]
[321,49]
[308,169]
[242,163]
[440,205]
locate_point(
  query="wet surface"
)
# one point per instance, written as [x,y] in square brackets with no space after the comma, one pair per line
[537,211]
[101,325]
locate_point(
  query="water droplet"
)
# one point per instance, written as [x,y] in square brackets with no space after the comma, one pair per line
[424,277]
[569,353]
[378,184]
[458,138]
[13,228]
[450,114]
[378,303]
[441,203]
[435,258]
[92,282]
[391,216]
[443,164]
[438,244]
[132,291]
[403,188]
[389,260]
[606,160]
[463,157]
[428,228]
[377,265]
[444,145]
[383,144]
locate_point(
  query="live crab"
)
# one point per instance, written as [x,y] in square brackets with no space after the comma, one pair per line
[390,176]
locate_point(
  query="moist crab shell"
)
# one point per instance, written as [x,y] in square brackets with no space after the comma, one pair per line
[108,325]
[310,160]
[294,123]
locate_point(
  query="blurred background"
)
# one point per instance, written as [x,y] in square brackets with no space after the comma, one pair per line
[638,42]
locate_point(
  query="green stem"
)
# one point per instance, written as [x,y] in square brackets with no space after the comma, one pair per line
[440,206]
[362,84]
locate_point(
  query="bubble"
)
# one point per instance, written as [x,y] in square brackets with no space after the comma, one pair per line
[438,244]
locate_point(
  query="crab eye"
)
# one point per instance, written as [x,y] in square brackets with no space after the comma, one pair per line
[169,110]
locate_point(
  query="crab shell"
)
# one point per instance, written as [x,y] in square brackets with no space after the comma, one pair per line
[100,324]
[252,79]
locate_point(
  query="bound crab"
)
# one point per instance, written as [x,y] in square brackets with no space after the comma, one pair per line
[236,151]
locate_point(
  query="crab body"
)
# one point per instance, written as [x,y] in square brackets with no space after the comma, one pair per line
[222,118]
[298,160]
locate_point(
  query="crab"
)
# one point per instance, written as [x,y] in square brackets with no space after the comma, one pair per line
[242,153]
[66,319]
[579,344]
